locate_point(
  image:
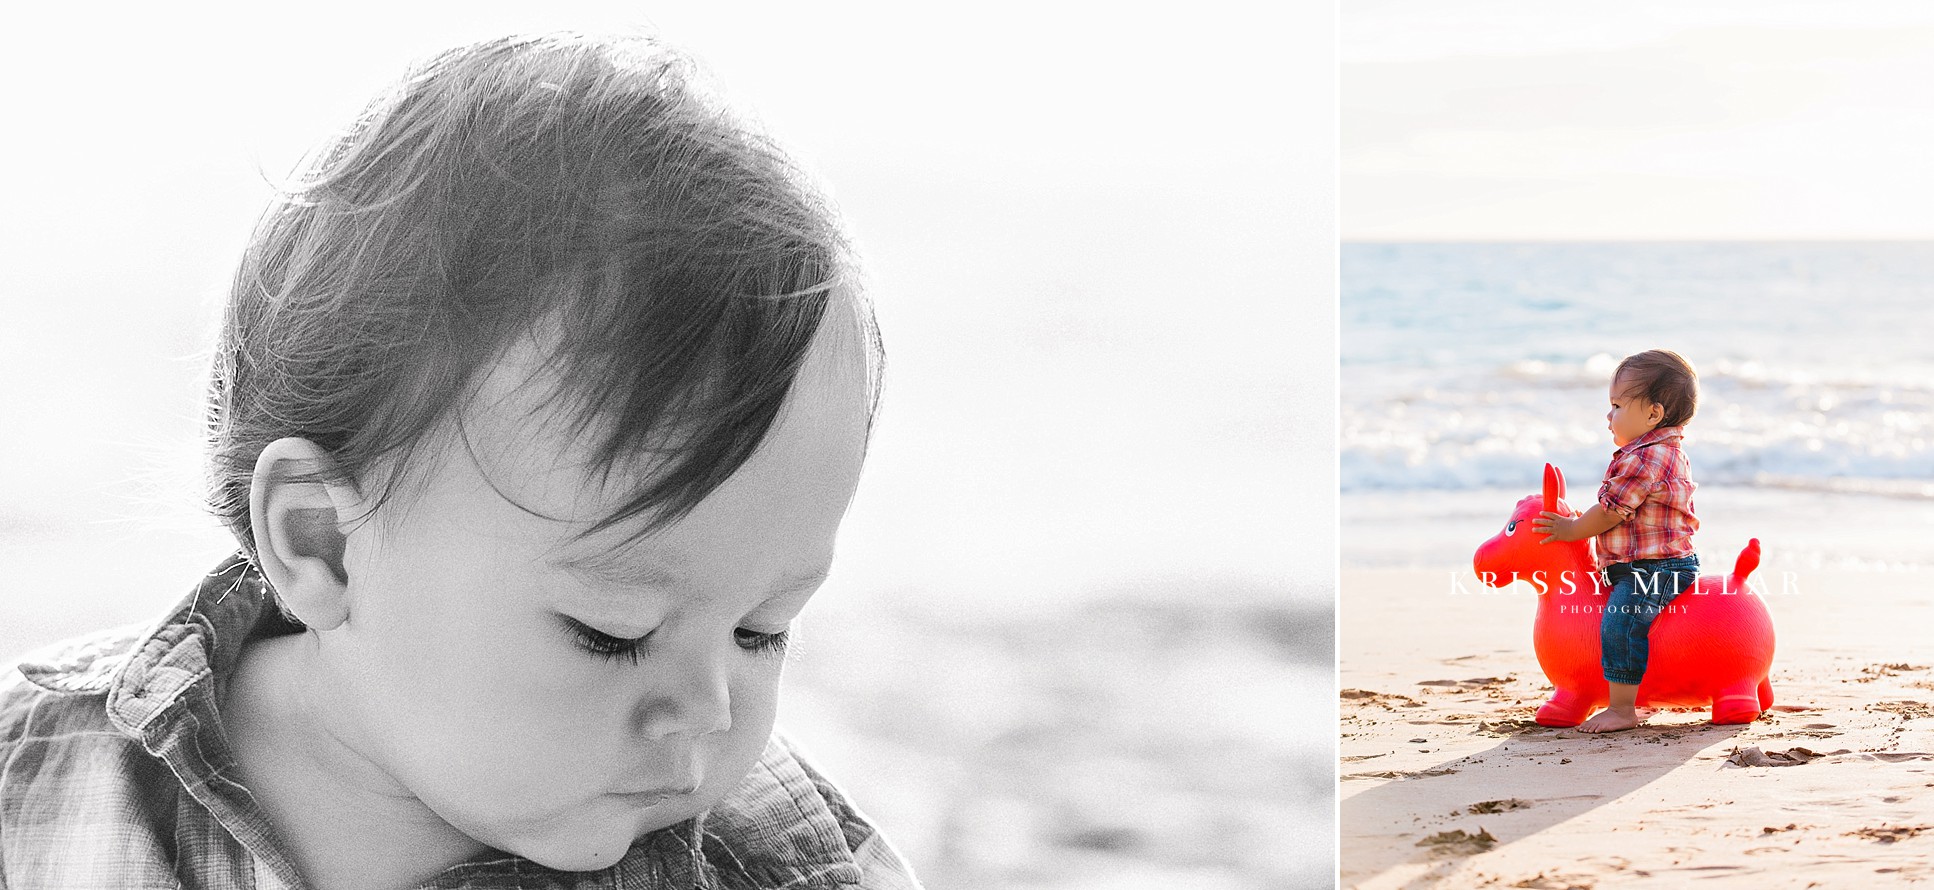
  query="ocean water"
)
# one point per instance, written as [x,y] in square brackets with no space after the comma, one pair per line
[1466,366]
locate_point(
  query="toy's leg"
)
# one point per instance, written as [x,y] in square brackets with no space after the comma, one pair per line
[1765,695]
[1738,703]
[1567,707]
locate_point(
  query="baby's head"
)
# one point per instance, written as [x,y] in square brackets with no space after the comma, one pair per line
[1652,389]
[539,400]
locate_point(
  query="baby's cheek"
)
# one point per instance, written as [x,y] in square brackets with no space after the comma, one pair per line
[754,711]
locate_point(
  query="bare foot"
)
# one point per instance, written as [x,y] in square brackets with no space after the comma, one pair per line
[1611,720]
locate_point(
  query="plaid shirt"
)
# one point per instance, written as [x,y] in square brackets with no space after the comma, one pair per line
[1649,488]
[115,772]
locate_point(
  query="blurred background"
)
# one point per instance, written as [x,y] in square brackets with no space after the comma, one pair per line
[1080,633]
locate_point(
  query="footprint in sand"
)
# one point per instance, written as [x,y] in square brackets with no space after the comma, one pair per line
[1906,708]
[1471,685]
[1381,699]
[1753,756]
[1809,731]
[1402,774]
[1509,727]
[1457,843]
[1874,672]
[1485,808]
[1542,881]
[1774,829]
[1888,834]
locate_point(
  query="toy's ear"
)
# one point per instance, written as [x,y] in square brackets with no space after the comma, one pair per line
[1554,488]
[1561,482]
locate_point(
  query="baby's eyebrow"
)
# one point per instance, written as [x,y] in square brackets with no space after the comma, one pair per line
[662,575]
[611,567]
[804,581]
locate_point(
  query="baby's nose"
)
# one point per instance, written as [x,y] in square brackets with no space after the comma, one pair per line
[692,706]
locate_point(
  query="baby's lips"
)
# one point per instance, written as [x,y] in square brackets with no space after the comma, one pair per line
[657,794]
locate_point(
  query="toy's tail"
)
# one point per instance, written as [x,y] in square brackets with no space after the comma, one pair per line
[1748,561]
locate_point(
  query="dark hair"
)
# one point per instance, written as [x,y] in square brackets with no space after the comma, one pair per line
[1662,377]
[592,183]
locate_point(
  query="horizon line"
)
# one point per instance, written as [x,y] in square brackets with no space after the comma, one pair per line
[1629,238]
[1928,239]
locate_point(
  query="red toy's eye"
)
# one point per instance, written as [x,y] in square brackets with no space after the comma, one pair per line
[1510,528]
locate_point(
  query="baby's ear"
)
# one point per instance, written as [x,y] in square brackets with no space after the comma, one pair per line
[301,515]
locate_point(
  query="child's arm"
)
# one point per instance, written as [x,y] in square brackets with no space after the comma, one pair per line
[1629,482]
[1588,524]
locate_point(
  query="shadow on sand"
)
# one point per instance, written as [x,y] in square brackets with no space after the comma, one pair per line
[1382,826]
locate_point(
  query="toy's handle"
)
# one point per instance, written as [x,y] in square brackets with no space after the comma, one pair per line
[1748,561]
[1554,488]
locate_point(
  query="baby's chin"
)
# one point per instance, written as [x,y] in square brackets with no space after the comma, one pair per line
[591,836]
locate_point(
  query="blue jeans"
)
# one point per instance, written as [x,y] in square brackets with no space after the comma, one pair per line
[1641,589]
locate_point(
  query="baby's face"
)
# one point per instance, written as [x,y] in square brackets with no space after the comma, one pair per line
[558,698]
[1631,416]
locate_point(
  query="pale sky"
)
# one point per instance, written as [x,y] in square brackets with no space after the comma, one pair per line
[1650,120]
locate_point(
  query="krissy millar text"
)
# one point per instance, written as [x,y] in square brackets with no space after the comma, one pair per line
[1570,583]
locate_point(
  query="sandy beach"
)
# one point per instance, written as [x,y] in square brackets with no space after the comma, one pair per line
[1445,780]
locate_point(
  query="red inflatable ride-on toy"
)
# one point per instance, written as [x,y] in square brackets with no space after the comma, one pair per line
[1712,648]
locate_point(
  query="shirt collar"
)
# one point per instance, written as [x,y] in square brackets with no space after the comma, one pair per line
[777,828]
[145,671]
[1664,435]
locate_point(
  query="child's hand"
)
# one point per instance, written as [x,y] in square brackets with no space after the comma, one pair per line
[1575,527]
[1559,526]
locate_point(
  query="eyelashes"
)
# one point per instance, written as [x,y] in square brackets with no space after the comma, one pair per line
[603,644]
[762,643]
[612,648]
